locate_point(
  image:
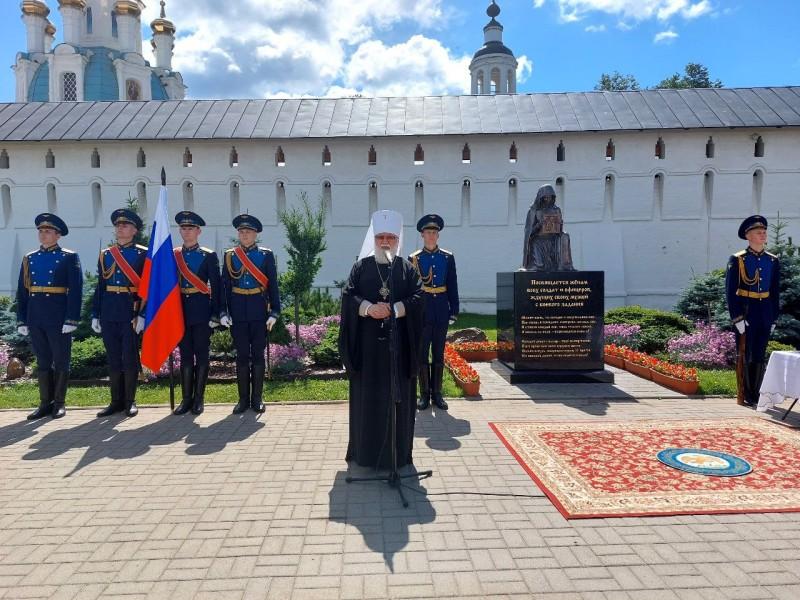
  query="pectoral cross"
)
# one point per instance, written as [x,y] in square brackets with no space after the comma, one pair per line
[384,292]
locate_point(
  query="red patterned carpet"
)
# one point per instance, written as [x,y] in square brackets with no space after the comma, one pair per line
[609,469]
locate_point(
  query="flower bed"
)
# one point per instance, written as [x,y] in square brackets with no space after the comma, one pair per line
[476,351]
[614,355]
[677,377]
[464,375]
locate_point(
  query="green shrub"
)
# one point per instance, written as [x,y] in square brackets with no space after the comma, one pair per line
[280,334]
[84,330]
[88,359]
[6,302]
[222,341]
[704,300]
[19,345]
[774,346]
[326,354]
[658,326]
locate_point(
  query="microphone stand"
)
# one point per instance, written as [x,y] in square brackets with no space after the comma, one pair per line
[393,478]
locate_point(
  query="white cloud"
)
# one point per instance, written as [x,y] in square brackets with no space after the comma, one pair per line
[246,48]
[524,68]
[665,37]
[595,28]
[419,67]
[538,3]
[634,10]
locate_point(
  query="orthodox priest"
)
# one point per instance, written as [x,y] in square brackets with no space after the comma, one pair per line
[381,283]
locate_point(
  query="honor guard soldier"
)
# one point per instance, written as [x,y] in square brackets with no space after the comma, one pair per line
[117,312]
[49,310]
[200,285]
[250,286]
[437,268]
[752,287]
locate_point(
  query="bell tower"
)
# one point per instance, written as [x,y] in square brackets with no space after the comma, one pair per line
[493,69]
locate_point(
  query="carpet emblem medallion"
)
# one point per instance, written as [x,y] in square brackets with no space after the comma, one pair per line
[592,469]
[705,462]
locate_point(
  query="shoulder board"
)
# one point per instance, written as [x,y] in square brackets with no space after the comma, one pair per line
[32,252]
[68,251]
[415,253]
[741,253]
[105,250]
[771,255]
[138,247]
[447,252]
[229,251]
[206,250]
[262,249]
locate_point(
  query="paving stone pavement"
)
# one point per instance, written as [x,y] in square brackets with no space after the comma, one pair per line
[224,506]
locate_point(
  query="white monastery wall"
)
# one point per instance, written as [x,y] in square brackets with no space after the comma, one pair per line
[649,235]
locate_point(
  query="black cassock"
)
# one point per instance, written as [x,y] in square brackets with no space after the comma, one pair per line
[364,348]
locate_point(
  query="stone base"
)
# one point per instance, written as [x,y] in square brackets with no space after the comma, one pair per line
[553,376]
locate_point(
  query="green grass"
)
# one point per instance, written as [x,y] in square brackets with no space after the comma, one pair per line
[26,395]
[717,383]
[486,322]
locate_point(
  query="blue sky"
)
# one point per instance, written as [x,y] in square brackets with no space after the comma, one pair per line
[257,48]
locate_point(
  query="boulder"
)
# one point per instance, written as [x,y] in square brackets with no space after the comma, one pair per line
[15,369]
[471,334]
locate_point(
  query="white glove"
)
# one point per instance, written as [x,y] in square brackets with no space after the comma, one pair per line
[138,326]
[271,323]
[96,326]
[213,324]
[451,321]
[68,328]
[23,330]
[740,326]
[226,321]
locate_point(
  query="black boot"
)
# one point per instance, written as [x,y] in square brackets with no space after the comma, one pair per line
[131,382]
[187,387]
[201,378]
[424,387]
[751,383]
[436,386]
[116,386]
[45,379]
[256,399]
[60,394]
[243,384]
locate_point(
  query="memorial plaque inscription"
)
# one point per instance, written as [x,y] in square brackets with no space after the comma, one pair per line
[551,322]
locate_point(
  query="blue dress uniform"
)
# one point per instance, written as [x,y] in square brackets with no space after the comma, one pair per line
[200,309]
[49,305]
[250,305]
[117,306]
[752,289]
[437,269]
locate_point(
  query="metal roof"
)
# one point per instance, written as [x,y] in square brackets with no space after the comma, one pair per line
[403,116]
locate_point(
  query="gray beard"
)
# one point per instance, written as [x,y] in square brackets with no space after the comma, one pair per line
[380,256]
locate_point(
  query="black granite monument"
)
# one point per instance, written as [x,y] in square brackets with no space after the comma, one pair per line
[550,316]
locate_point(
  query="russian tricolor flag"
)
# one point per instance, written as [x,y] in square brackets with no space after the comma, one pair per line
[159,289]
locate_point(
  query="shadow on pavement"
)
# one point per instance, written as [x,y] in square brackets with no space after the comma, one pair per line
[104,438]
[375,510]
[214,438]
[21,431]
[591,398]
[441,429]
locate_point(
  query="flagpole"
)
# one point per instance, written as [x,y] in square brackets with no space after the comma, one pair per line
[171,359]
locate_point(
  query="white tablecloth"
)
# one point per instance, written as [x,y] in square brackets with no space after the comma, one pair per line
[781,380]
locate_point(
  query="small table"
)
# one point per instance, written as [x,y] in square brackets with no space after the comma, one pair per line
[781,381]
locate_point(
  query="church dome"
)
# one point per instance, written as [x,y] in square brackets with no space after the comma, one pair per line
[162,24]
[493,48]
[35,7]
